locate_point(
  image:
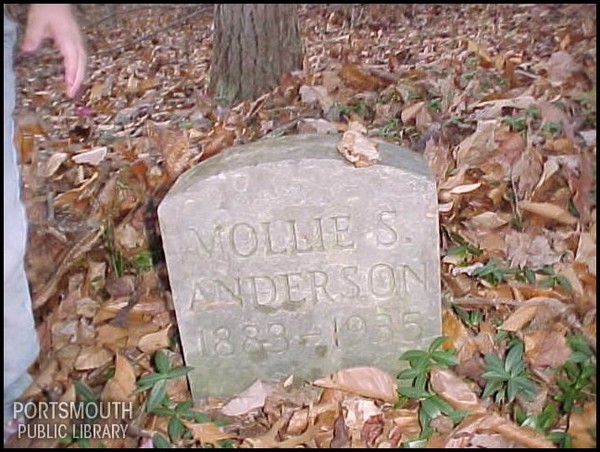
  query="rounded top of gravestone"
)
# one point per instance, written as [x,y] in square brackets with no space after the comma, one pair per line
[295,148]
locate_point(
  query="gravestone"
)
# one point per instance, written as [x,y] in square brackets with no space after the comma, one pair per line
[284,259]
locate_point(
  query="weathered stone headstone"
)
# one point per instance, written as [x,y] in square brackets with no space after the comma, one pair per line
[285,259]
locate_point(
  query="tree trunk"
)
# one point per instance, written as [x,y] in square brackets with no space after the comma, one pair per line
[252,46]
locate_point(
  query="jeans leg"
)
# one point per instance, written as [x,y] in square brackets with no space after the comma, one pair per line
[20,338]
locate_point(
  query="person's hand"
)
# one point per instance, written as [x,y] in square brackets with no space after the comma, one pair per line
[58,23]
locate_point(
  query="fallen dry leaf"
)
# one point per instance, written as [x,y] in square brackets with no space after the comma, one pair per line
[372,430]
[155,341]
[560,66]
[476,148]
[581,426]
[121,386]
[310,125]
[546,349]
[269,441]
[586,251]
[53,163]
[518,319]
[488,220]
[476,424]
[454,390]
[207,433]
[92,358]
[174,146]
[548,210]
[313,94]
[359,78]
[92,157]
[410,112]
[219,139]
[533,251]
[365,381]
[251,398]
[358,149]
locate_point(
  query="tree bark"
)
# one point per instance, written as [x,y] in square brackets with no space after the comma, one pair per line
[253,45]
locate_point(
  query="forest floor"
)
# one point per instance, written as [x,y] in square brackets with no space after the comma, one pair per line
[500,100]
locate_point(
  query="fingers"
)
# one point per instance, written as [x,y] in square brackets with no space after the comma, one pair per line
[34,35]
[75,61]
[58,23]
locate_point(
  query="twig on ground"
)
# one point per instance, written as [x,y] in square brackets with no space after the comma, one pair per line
[70,259]
[154,33]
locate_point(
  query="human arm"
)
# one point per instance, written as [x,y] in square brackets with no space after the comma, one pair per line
[57,22]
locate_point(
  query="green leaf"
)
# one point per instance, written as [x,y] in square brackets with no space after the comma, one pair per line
[565,386]
[149,380]
[220,422]
[548,270]
[562,439]
[415,444]
[201,418]
[163,411]
[161,362]
[420,382]
[517,369]
[512,389]
[526,386]
[513,356]
[475,317]
[422,363]
[462,314]
[437,343]
[184,406]
[431,409]
[501,335]
[546,283]
[530,275]
[85,392]
[493,375]
[519,415]
[458,415]
[587,372]
[460,250]
[500,396]
[160,442]
[441,404]
[410,355]
[572,369]
[225,444]
[548,417]
[568,403]
[413,393]
[424,420]
[578,344]
[179,372]
[446,358]
[490,388]
[408,374]
[493,362]
[176,429]
[564,282]
[157,394]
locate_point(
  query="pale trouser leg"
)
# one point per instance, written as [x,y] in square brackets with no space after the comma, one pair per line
[20,339]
